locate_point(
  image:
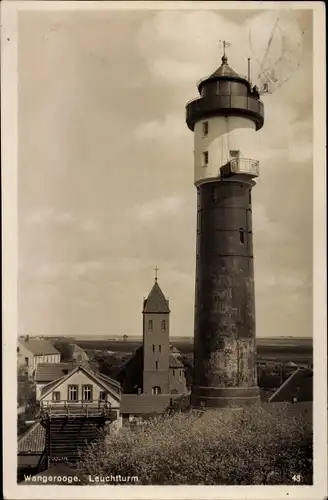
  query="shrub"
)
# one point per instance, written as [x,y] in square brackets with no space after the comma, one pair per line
[231,447]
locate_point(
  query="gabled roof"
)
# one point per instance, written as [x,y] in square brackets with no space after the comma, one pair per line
[174,350]
[298,385]
[39,347]
[156,301]
[47,372]
[175,362]
[33,440]
[77,348]
[110,385]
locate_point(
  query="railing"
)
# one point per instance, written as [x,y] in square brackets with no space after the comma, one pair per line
[197,108]
[245,166]
[77,408]
[64,403]
[223,98]
[241,165]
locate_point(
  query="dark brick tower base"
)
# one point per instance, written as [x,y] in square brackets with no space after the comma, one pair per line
[224,345]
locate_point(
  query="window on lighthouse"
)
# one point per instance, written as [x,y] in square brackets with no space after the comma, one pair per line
[205,128]
[242,236]
[205,158]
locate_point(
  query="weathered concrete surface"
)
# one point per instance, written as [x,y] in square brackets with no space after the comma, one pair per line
[224,344]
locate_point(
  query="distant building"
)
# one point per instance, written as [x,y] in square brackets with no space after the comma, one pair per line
[48,372]
[31,450]
[155,367]
[80,385]
[32,351]
[298,388]
[78,354]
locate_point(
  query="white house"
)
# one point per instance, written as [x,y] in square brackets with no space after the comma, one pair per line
[32,351]
[81,390]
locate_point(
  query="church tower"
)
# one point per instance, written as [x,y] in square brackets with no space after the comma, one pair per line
[156,334]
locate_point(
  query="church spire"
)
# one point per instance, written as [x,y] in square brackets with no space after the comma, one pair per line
[156,301]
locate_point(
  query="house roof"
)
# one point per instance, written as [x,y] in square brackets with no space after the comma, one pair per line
[175,362]
[174,350]
[47,372]
[224,72]
[299,384]
[33,440]
[77,348]
[39,347]
[109,384]
[156,301]
[142,404]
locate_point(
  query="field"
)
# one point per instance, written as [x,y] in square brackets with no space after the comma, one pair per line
[298,350]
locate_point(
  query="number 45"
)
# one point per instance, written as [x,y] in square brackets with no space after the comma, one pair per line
[297,478]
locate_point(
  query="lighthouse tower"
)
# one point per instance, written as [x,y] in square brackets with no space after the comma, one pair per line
[224,120]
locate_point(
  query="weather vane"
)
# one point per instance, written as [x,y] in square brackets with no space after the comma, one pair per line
[224,44]
[156,271]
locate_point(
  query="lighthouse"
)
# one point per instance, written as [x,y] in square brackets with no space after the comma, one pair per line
[224,119]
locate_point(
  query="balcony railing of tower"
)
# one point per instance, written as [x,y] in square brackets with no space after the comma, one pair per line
[227,100]
[198,108]
[77,408]
[241,165]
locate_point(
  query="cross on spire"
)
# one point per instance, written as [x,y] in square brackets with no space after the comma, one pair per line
[224,44]
[156,271]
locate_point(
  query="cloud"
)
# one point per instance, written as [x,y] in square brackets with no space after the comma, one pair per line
[49,216]
[113,196]
[155,209]
[171,125]
[179,46]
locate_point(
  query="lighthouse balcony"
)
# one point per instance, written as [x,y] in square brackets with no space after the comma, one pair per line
[225,105]
[245,166]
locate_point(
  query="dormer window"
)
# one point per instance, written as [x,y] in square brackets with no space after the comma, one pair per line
[205,128]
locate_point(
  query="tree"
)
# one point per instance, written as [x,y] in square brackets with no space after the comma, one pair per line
[65,348]
[105,363]
[26,389]
[188,363]
[253,446]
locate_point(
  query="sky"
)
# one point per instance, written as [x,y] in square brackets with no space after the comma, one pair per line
[105,166]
